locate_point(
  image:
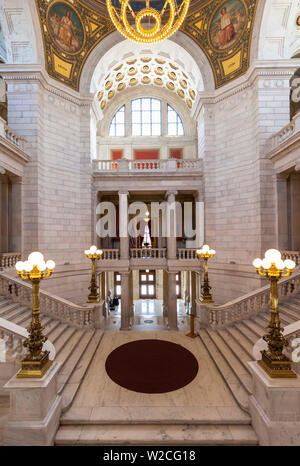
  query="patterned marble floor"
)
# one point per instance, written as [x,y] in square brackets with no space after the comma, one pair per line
[205,398]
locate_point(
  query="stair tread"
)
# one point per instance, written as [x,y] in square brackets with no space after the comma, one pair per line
[9,307]
[70,388]
[238,391]
[252,337]
[290,312]
[156,434]
[236,348]
[74,356]
[242,340]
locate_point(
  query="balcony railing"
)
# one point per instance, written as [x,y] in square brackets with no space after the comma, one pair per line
[9,259]
[292,255]
[110,254]
[145,253]
[143,166]
[187,254]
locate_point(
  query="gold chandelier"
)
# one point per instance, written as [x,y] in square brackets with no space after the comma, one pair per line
[147,25]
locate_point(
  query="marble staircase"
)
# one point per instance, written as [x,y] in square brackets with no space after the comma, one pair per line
[75,347]
[231,348]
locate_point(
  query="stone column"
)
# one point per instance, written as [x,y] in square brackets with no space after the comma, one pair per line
[131,296]
[165,293]
[123,224]
[199,210]
[295,211]
[16,217]
[126,301]
[4,224]
[282,214]
[193,292]
[172,301]
[95,201]
[171,239]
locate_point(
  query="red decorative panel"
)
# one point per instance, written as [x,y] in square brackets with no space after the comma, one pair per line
[148,154]
[176,154]
[116,154]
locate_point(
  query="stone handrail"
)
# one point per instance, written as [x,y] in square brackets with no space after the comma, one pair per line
[184,253]
[152,253]
[13,336]
[110,254]
[282,135]
[9,259]
[249,305]
[13,137]
[137,166]
[292,255]
[59,308]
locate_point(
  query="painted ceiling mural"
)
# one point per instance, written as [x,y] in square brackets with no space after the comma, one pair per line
[72,28]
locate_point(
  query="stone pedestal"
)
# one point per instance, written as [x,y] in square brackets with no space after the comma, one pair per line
[126,301]
[275,408]
[203,314]
[35,410]
[172,301]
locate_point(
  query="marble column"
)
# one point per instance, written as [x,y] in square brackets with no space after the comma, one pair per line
[123,224]
[172,301]
[95,201]
[171,239]
[126,301]
[193,293]
[295,211]
[4,215]
[282,214]
[199,209]
[16,216]
[131,296]
[165,293]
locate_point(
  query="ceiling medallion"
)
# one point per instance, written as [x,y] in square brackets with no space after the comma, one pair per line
[148,24]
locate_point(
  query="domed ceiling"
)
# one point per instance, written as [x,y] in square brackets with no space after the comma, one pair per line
[221,28]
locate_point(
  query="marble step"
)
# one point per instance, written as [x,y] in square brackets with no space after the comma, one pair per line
[4,310]
[290,312]
[241,372]
[237,390]
[71,387]
[247,332]
[295,306]
[155,415]
[241,340]
[257,328]
[236,348]
[72,359]
[159,434]
[285,318]
[64,339]
[56,332]
[19,311]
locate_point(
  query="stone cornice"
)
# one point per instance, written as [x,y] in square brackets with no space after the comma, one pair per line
[259,69]
[13,151]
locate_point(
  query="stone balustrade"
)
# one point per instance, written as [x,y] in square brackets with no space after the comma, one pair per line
[11,339]
[142,166]
[13,137]
[58,308]
[292,255]
[110,254]
[285,133]
[186,254]
[9,259]
[246,306]
[146,253]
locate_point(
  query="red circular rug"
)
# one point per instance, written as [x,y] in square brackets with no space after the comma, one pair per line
[151,366]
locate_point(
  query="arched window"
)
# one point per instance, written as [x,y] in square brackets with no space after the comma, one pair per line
[146,117]
[175,125]
[117,125]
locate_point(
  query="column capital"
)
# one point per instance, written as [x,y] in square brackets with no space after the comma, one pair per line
[171,193]
[123,192]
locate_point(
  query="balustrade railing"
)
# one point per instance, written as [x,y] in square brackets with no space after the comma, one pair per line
[140,166]
[251,304]
[9,259]
[282,135]
[187,254]
[148,253]
[110,254]
[292,255]
[12,337]
[59,308]
[13,137]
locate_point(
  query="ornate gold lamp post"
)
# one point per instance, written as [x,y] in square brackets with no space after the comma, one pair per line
[93,253]
[36,362]
[206,253]
[273,361]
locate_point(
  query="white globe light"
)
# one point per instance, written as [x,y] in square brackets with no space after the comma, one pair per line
[205,248]
[199,251]
[289,264]
[273,255]
[99,252]
[86,252]
[266,263]
[50,265]
[257,263]
[20,266]
[36,258]
[280,264]
[28,266]
[212,252]
[93,249]
[41,266]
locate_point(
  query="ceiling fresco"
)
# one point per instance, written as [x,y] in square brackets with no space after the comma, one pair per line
[72,28]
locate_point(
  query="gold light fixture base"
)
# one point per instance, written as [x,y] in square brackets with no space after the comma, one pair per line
[35,369]
[93,299]
[191,335]
[277,369]
[207,299]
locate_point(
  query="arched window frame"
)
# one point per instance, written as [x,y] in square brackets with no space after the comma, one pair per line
[175,127]
[117,127]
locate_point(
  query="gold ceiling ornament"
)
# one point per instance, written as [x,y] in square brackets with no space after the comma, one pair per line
[108,85]
[121,86]
[146,80]
[148,25]
[132,71]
